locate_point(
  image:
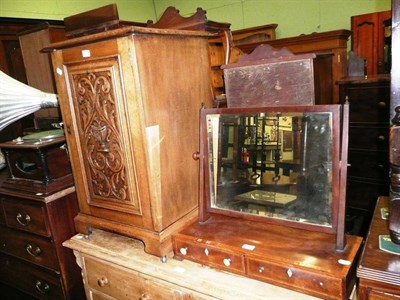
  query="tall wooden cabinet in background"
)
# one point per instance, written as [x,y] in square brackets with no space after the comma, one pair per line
[371,40]
[368,158]
[130,101]
[12,63]
[38,65]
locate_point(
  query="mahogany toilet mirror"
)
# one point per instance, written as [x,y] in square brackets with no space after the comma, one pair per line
[280,165]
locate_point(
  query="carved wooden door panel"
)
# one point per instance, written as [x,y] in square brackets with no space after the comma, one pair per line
[98,128]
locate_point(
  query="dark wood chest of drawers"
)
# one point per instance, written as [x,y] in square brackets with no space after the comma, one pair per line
[368,171]
[32,258]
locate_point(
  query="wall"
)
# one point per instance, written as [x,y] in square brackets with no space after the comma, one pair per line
[129,10]
[293,17]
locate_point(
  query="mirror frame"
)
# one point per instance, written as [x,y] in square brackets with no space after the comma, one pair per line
[339,169]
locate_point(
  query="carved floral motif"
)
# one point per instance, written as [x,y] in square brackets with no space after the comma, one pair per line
[103,146]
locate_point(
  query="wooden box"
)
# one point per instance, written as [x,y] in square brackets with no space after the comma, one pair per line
[37,165]
[268,77]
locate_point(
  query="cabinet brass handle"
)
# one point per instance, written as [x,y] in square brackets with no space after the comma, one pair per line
[261,269]
[196,155]
[42,287]
[23,220]
[102,281]
[33,251]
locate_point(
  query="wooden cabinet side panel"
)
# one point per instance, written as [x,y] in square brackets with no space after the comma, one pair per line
[37,65]
[175,82]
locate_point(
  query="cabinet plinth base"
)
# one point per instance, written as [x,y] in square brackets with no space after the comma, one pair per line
[155,243]
[32,186]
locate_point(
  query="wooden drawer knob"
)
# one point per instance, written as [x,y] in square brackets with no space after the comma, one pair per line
[23,219]
[227,262]
[144,297]
[183,250]
[102,281]
[42,287]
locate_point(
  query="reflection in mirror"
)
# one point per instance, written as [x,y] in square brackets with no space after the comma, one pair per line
[273,165]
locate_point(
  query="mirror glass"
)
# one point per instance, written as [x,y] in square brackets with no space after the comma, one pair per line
[272,164]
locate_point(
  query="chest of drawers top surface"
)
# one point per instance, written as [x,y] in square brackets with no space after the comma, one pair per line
[126,255]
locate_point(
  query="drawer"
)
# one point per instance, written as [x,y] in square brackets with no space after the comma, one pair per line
[373,138]
[295,278]
[24,215]
[209,255]
[363,194]
[376,294]
[29,278]
[96,295]
[369,104]
[105,279]
[2,215]
[369,165]
[33,248]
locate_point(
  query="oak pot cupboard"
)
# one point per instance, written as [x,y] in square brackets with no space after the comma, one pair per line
[130,101]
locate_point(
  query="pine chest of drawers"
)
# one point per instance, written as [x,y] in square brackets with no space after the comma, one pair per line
[32,258]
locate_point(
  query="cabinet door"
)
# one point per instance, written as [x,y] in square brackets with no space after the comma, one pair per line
[106,148]
[368,40]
